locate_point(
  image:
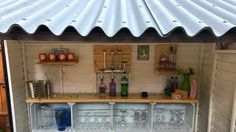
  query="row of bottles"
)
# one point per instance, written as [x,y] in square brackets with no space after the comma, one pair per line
[167,61]
[124,85]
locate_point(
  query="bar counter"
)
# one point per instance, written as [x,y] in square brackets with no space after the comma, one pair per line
[86,98]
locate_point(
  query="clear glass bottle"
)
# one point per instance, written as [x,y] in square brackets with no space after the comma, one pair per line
[163,60]
[102,88]
[124,85]
[171,58]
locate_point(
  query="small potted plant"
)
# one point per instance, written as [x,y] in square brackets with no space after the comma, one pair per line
[186,78]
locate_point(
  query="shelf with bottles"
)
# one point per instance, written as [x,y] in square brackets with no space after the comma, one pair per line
[57,56]
[165,59]
[50,117]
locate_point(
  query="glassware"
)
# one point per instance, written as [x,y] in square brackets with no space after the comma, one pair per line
[123,123]
[60,114]
[46,117]
[136,118]
[144,119]
[68,116]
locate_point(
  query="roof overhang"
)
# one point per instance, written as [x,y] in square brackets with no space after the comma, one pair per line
[119,20]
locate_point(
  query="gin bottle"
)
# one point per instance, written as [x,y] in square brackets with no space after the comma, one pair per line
[124,85]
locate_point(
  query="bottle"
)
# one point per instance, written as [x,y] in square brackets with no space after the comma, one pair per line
[48,88]
[193,90]
[112,87]
[124,85]
[163,60]
[102,88]
[176,83]
[173,84]
[171,58]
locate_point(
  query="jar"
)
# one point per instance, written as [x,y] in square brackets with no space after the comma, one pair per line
[70,56]
[62,57]
[42,57]
[52,57]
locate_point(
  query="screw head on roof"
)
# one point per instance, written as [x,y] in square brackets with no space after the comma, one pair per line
[200,22]
[73,20]
[174,21]
[225,21]
[140,6]
[213,5]
[104,6]
[99,21]
[124,22]
[49,20]
[24,19]
[148,22]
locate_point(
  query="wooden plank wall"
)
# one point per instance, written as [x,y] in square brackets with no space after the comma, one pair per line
[81,77]
[223,96]
[205,86]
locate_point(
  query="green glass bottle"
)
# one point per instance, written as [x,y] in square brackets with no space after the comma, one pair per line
[124,85]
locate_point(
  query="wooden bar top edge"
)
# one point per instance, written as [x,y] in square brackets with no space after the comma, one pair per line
[94,98]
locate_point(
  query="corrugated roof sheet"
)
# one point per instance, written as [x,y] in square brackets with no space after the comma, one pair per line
[165,16]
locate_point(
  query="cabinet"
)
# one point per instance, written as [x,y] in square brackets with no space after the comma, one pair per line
[121,117]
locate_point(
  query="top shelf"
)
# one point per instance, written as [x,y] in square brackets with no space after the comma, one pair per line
[66,63]
[94,98]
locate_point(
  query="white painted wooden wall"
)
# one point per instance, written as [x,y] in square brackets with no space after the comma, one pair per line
[81,77]
[16,86]
[223,93]
[205,87]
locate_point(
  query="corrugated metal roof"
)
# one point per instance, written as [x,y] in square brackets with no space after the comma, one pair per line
[165,16]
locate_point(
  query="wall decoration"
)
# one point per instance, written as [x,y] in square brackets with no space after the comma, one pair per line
[143,52]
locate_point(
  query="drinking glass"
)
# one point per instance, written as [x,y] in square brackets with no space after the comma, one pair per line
[123,123]
[46,117]
[68,116]
[144,119]
[136,118]
[60,115]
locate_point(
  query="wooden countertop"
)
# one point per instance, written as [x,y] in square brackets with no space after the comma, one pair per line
[86,98]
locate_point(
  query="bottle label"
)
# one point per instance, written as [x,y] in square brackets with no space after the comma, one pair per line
[124,82]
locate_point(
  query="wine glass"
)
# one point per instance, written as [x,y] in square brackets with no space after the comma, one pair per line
[123,123]
[46,117]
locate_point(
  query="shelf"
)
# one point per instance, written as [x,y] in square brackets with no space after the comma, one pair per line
[53,129]
[166,72]
[225,51]
[66,63]
[89,98]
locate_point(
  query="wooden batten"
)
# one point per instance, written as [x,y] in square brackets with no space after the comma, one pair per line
[98,56]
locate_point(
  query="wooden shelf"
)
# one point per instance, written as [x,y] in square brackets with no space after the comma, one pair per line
[166,72]
[66,63]
[225,51]
[91,98]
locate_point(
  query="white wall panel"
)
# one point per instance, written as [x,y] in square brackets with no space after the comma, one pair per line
[223,92]
[81,77]
[205,86]
[17,86]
